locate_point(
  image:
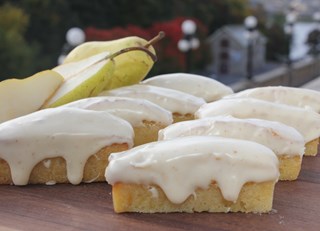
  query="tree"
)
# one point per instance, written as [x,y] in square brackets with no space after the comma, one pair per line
[277,44]
[49,20]
[16,55]
[110,13]
[313,41]
[272,28]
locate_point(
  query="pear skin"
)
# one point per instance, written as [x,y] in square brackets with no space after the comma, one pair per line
[88,49]
[20,97]
[130,68]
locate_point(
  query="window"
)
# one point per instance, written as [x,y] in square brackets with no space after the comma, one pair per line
[224,43]
[224,55]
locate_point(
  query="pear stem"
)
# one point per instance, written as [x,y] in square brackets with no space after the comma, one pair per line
[128,49]
[154,40]
[144,48]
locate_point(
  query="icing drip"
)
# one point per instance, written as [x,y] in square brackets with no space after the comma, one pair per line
[154,192]
[51,182]
[47,163]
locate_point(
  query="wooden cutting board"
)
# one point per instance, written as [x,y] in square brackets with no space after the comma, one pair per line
[89,207]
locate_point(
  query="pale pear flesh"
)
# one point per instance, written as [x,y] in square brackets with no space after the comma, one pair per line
[20,97]
[68,70]
[87,83]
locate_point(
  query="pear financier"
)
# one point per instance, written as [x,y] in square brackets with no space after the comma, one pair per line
[182,105]
[299,97]
[194,174]
[145,117]
[285,141]
[305,121]
[60,145]
[208,89]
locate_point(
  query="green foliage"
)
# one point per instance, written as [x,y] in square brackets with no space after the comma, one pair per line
[41,25]
[277,45]
[211,13]
[49,22]
[217,13]
[110,13]
[277,42]
[16,55]
[313,40]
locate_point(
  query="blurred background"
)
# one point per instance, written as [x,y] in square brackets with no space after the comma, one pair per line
[229,40]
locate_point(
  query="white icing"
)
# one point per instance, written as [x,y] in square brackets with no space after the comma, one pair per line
[172,100]
[93,179]
[182,165]
[197,85]
[135,111]
[73,134]
[47,163]
[154,192]
[299,97]
[280,138]
[306,121]
[51,182]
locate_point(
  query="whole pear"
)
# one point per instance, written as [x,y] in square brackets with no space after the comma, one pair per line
[130,68]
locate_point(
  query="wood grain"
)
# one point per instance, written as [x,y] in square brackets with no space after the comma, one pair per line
[89,207]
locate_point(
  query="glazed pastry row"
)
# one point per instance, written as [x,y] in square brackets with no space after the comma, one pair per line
[201,123]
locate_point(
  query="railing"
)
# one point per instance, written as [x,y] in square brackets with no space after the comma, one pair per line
[301,72]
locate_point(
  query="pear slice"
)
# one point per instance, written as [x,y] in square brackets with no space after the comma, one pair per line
[19,97]
[86,83]
[68,70]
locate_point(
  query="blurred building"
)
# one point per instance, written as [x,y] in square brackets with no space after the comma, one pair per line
[229,47]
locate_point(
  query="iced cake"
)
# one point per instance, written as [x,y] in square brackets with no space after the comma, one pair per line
[193,174]
[60,145]
[145,117]
[305,121]
[204,87]
[286,142]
